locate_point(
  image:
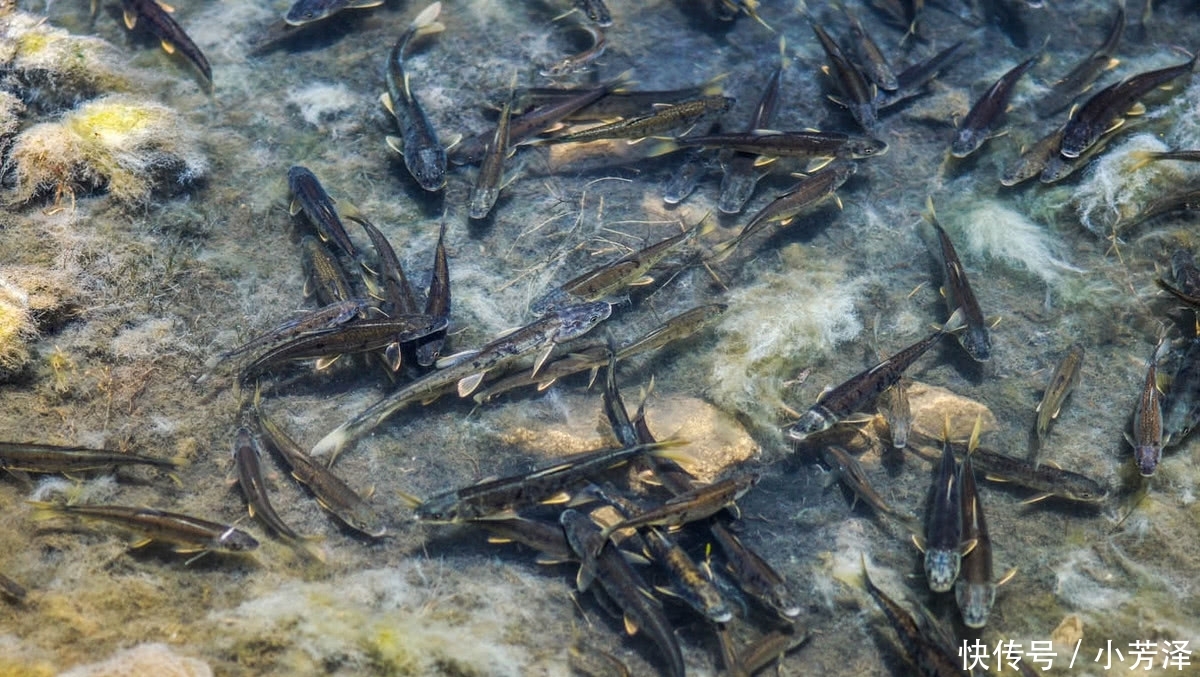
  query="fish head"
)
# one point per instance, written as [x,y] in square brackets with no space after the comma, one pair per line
[579,320]
[307,11]
[966,141]
[977,342]
[442,509]
[736,189]
[428,167]
[1075,140]
[366,521]
[1147,456]
[866,147]
[235,540]
[975,602]
[941,568]
[783,601]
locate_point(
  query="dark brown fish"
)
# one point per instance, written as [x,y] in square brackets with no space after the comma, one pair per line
[169,33]
[669,117]
[50,458]
[924,653]
[309,196]
[913,80]
[326,278]
[1085,73]
[798,143]
[397,292]
[974,337]
[188,534]
[1147,438]
[986,115]
[858,95]
[975,590]
[247,459]
[437,303]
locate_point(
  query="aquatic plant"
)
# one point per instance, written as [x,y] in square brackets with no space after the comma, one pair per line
[989,230]
[16,330]
[128,145]
[1116,187]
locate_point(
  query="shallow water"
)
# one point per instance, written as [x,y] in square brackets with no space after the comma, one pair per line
[148,295]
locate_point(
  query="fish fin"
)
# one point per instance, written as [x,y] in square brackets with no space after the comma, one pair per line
[143,542]
[294,207]
[506,514]
[583,580]
[542,385]
[467,385]
[411,502]
[1008,576]
[165,7]
[167,47]
[325,362]
[540,360]
[836,199]
[764,160]
[392,356]
[592,377]
[1139,108]
[395,143]
[557,499]
[1035,499]
[917,541]
[631,626]
[386,100]
[968,546]
[546,560]
[363,4]
[817,163]
[451,360]
[131,19]
[666,591]
[662,148]
[427,16]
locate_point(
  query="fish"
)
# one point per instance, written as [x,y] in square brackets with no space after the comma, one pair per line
[1058,167]
[325,277]
[696,504]
[623,585]
[545,537]
[424,156]
[956,288]
[1086,72]
[695,165]
[849,472]
[247,459]
[1181,403]
[397,292]
[612,278]
[741,171]
[1186,275]
[171,36]
[309,11]
[499,498]
[983,118]
[614,407]
[579,61]
[943,544]
[437,303]
[50,458]
[1147,438]
[1178,154]
[836,404]
[874,64]
[924,653]
[309,196]
[894,406]
[467,370]
[322,319]
[611,100]
[1062,382]
[186,533]
[363,336]
[809,192]
[913,80]
[753,574]
[975,591]
[1034,159]
[490,179]
[331,492]
[1104,111]
[665,119]
[858,95]
[796,143]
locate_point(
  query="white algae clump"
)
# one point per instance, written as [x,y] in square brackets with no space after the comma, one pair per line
[144,660]
[1117,189]
[990,230]
[127,145]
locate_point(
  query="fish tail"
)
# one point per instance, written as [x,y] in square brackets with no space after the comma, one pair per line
[46,510]
[427,18]
[411,502]
[956,323]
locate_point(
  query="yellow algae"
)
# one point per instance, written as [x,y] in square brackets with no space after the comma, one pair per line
[16,329]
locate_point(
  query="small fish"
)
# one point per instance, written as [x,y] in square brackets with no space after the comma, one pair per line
[247,459]
[1062,382]
[614,407]
[957,290]
[623,585]
[858,95]
[1105,111]
[668,117]
[612,278]
[801,143]
[325,277]
[875,64]
[615,99]
[894,406]
[1046,479]
[437,303]
[1085,73]
[1147,438]
[975,591]
[809,192]
[1181,403]
[985,116]
[363,336]
[423,154]
[1034,159]
[849,472]
[837,403]
[741,172]
[944,523]
[308,11]
[696,504]
[490,179]
[331,492]
[322,319]
[309,196]
[169,33]
[913,80]
[397,292]
[50,458]
[925,653]
[579,61]
[695,165]
[754,575]
[498,498]
[186,533]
